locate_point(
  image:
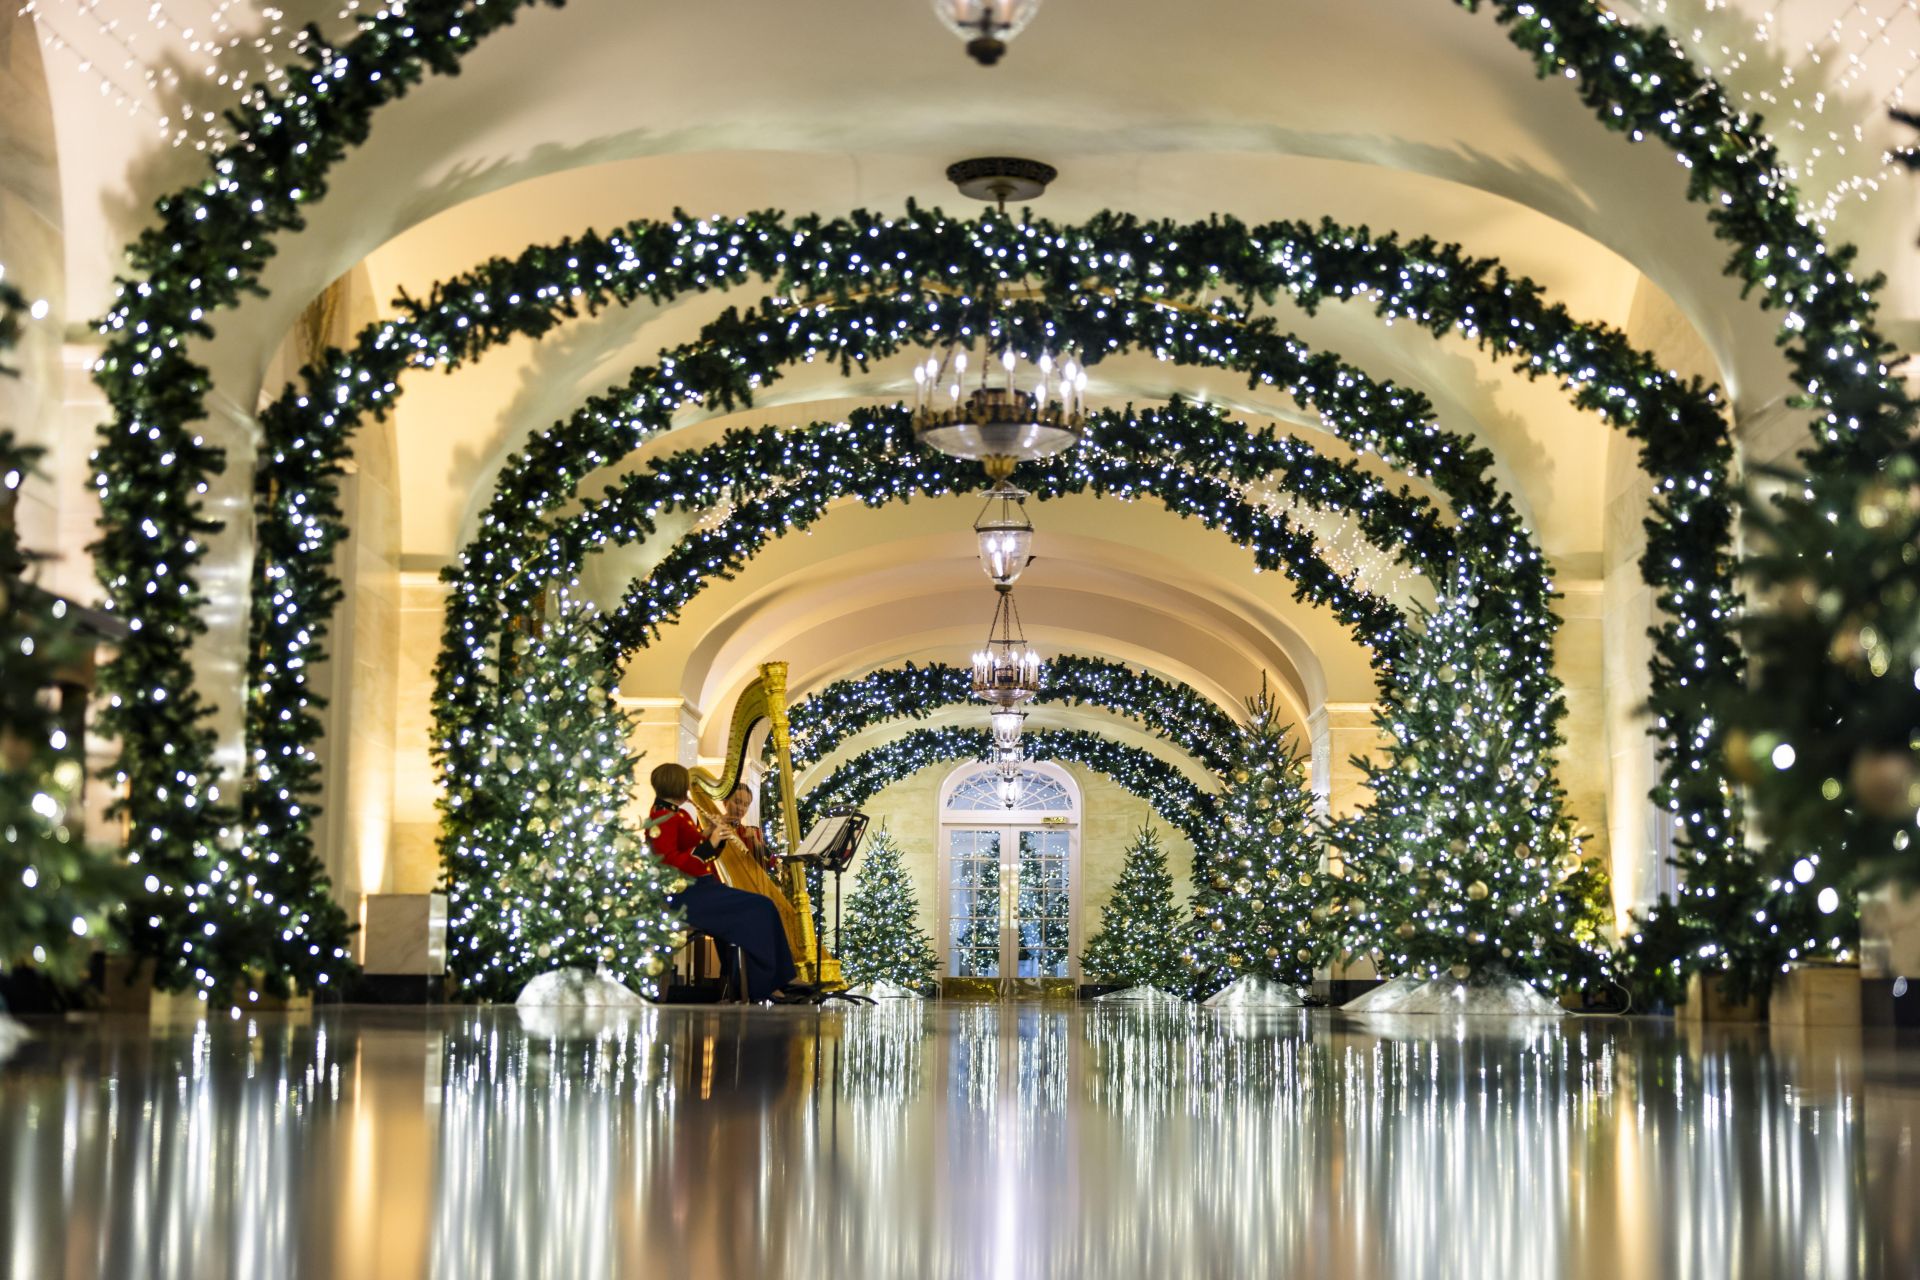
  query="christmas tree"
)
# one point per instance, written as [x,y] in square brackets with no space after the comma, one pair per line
[1258,872]
[1466,861]
[577,888]
[1141,926]
[881,939]
[53,912]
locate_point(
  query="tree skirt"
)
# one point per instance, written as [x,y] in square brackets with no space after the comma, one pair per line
[1139,995]
[575,987]
[1384,998]
[885,991]
[1492,996]
[1254,993]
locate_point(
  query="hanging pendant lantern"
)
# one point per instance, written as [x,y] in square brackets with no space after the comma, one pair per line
[1007,724]
[986,25]
[1005,534]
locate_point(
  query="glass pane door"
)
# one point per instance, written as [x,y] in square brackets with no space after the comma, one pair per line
[1042,907]
[973,942]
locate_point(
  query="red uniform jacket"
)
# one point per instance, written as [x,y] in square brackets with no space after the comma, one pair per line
[678,843]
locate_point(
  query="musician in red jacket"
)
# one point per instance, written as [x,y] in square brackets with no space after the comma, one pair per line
[733,917]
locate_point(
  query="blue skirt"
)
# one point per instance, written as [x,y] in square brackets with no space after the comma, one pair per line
[745,920]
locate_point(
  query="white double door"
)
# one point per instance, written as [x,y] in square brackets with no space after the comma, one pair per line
[1010,902]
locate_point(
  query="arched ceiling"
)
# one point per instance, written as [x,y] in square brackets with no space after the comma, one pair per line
[869,587]
[1258,108]
[454,430]
[1406,115]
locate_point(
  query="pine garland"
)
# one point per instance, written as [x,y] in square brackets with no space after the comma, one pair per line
[213,240]
[1170,793]
[821,721]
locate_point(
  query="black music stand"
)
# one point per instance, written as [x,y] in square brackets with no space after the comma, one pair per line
[831,846]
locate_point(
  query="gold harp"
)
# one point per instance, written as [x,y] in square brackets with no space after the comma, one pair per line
[760,710]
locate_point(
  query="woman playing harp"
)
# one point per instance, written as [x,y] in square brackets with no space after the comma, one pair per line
[753,838]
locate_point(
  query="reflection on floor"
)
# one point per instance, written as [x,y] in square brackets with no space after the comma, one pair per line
[963,1141]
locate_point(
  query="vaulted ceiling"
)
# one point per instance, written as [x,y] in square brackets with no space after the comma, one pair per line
[1405,115]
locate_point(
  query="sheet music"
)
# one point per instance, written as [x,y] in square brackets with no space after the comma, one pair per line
[825,836]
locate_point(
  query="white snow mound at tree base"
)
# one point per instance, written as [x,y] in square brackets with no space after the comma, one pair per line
[1498,997]
[1254,993]
[576,987]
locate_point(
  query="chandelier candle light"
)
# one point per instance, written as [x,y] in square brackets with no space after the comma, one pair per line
[1011,416]
[1007,671]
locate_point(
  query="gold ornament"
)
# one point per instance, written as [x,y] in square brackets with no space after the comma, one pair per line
[1303,955]
[1405,930]
[1276,827]
[1306,879]
[1478,890]
[1461,971]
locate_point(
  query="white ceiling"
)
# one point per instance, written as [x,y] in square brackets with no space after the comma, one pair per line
[1407,115]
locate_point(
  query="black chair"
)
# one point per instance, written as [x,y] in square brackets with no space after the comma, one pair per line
[703,948]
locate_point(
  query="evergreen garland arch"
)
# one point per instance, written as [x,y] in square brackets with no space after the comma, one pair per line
[1175,797]
[214,238]
[854,333]
[823,720]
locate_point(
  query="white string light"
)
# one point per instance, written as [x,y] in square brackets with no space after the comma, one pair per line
[229,67]
[1802,114]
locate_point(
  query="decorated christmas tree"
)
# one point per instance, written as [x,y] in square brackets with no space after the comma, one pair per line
[881,939]
[1257,874]
[1142,928]
[59,890]
[577,888]
[1466,861]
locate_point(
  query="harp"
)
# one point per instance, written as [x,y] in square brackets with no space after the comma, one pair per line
[762,710]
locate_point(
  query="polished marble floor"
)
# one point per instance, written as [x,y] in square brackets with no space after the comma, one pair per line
[953,1141]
